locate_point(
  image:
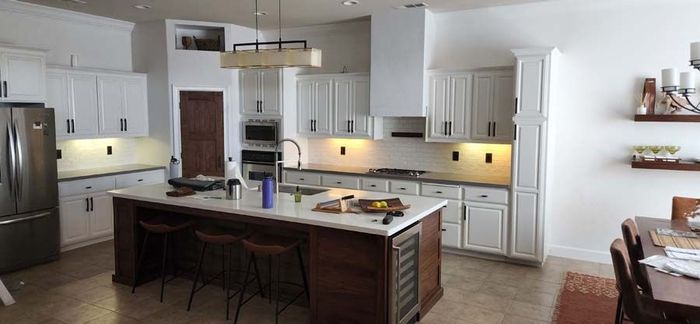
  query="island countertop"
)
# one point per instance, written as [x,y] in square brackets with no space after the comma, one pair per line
[285,209]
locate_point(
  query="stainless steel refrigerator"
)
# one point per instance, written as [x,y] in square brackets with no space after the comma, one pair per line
[29,223]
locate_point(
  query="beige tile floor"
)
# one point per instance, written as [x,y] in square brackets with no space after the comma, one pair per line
[78,289]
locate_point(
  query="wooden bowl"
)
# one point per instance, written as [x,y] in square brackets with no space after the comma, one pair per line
[394,205]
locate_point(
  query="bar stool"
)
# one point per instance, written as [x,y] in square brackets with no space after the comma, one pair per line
[223,238]
[164,227]
[272,245]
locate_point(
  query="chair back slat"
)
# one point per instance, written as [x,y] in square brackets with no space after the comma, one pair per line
[633,243]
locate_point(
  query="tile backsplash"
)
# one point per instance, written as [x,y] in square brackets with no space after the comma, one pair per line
[92,153]
[411,153]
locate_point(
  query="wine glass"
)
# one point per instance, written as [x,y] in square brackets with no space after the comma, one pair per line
[655,149]
[672,149]
[640,149]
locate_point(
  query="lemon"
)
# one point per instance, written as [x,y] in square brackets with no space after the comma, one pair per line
[376,204]
[383,204]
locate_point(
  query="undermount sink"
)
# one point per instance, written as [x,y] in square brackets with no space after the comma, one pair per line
[306,191]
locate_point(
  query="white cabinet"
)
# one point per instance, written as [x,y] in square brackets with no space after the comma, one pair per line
[102,215]
[534,74]
[74,100]
[261,92]
[493,106]
[451,235]
[351,106]
[314,98]
[485,228]
[375,184]
[340,181]
[75,219]
[57,98]
[303,178]
[122,103]
[23,75]
[449,107]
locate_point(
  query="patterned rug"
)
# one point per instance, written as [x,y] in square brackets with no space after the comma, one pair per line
[586,299]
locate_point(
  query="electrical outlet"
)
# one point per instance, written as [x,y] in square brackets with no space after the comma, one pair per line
[342,150]
[455,155]
[489,157]
[109,150]
[59,154]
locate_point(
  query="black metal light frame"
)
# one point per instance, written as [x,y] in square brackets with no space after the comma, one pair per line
[278,42]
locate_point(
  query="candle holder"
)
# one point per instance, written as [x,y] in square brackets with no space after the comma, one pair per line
[670,91]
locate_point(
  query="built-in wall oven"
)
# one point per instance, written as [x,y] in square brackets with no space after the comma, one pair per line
[257,165]
[404,280]
[258,132]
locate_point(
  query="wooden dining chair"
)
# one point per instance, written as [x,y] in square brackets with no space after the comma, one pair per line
[639,307]
[683,206]
[630,234]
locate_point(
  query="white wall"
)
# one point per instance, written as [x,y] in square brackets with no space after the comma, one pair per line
[608,48]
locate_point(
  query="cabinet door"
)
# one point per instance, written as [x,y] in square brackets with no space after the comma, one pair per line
[83,103]
[101,216]
[526,233]
[342,98]
[485,228]
[136,107]
[24,77]
[532,80]
[249,84]
[438,111]
[460,103]
[451,235]
[75,220]
[305,106]
[323,99]
[502,109]
[452,213]
[481,109]
[362,122]
[57,98]
[111,102]
[270,92]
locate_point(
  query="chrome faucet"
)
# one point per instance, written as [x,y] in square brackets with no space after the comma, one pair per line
[278,164]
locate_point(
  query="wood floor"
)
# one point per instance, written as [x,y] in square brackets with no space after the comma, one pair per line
[78,289]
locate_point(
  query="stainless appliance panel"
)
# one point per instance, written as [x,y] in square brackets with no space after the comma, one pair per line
[254,173]
[28,239]
[404,276]
[8,205]
[260,132]
[35,141]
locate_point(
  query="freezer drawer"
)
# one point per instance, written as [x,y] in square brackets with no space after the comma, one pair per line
[28,239]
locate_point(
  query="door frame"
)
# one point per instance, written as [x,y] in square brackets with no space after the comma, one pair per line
[175,109]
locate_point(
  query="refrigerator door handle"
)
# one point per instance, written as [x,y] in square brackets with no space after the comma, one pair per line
[20,163]
[24,219]
[12,159]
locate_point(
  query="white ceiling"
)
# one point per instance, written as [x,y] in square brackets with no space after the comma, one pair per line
[294,12]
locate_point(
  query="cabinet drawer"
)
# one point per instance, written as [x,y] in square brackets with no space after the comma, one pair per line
[305,178]
[340,181]
[489,195]
[85,186]
[373,184]
[140,178]
[451,235]
[441,191]
[404,187]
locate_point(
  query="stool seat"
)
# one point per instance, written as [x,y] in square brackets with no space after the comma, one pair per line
[267,244]
[221,237]
[164,226]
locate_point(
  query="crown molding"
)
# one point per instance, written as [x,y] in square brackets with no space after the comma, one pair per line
[35,10]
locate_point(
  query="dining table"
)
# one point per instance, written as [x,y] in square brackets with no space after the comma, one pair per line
[681,295]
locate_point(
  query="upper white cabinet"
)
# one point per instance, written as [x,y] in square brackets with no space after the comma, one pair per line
[335,105]
[534,71]
[450,100]
[23,75]
[122,105]
[91,104]
[261,92]
[399,56]
[493,106]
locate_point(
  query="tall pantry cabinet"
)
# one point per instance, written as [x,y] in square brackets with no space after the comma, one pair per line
[533,95]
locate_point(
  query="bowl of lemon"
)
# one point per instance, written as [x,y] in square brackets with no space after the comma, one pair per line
[382,205]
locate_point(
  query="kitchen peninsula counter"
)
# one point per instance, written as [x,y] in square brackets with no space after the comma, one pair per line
[349,255]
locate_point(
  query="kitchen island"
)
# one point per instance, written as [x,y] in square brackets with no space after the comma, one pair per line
[352,258]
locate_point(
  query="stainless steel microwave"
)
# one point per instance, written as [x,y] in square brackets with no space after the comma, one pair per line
[260,132]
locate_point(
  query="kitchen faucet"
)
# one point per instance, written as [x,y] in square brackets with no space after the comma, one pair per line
[278,164]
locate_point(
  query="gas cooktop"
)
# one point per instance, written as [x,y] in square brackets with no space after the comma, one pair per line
[397,172]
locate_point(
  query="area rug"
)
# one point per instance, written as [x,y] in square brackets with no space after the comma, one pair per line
[586,299]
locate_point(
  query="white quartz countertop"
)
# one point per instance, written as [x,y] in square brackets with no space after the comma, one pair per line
[285,209]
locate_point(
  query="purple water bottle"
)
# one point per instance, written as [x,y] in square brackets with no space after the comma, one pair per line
[268,185]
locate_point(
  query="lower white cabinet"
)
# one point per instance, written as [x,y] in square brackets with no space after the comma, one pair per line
[102,218]
[451,235]
[485,227]
[74,212]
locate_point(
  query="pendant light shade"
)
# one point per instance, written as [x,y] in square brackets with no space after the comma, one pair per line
[274,57]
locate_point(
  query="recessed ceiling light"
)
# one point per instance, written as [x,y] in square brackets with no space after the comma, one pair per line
[350,2]
[142,6]
[412,5]
[260,13]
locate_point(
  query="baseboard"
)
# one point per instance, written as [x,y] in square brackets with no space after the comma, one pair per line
[86,243]
[580,254]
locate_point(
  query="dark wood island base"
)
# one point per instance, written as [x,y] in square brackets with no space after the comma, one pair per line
[348,271]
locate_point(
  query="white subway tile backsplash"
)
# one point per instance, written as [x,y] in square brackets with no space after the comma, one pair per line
[92,153]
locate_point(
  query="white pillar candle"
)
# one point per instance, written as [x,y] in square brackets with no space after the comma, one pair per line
[687,80]
[695,51]
[669,77]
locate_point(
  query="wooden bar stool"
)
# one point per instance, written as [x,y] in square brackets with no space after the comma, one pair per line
[272,245]
[225,239]
[165,228]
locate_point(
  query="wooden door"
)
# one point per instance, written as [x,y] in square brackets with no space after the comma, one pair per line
[202,133]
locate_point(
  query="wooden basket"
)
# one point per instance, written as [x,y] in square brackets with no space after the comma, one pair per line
[205,44]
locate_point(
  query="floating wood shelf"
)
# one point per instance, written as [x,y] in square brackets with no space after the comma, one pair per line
[668,118]
[660,165]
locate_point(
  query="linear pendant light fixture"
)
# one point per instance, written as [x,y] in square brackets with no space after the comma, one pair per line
[278,57]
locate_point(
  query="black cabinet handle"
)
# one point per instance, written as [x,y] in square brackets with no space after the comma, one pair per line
[438,192]
[464,212]
[515,111]
[92,204]
[494,129]
[515,132]
[301,179]
[373,186]
[68,126]
[4,85]
[444,230]
[444,132]
[311,125]
[347,126]
[121,124]
[72,125]
[402,188]
[352,126]
[338,182]
[126,125]
[484,196]
[87,204]
[88,187]
[139,180]
[450,128]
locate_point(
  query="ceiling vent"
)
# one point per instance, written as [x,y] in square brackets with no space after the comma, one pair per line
[413,5]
